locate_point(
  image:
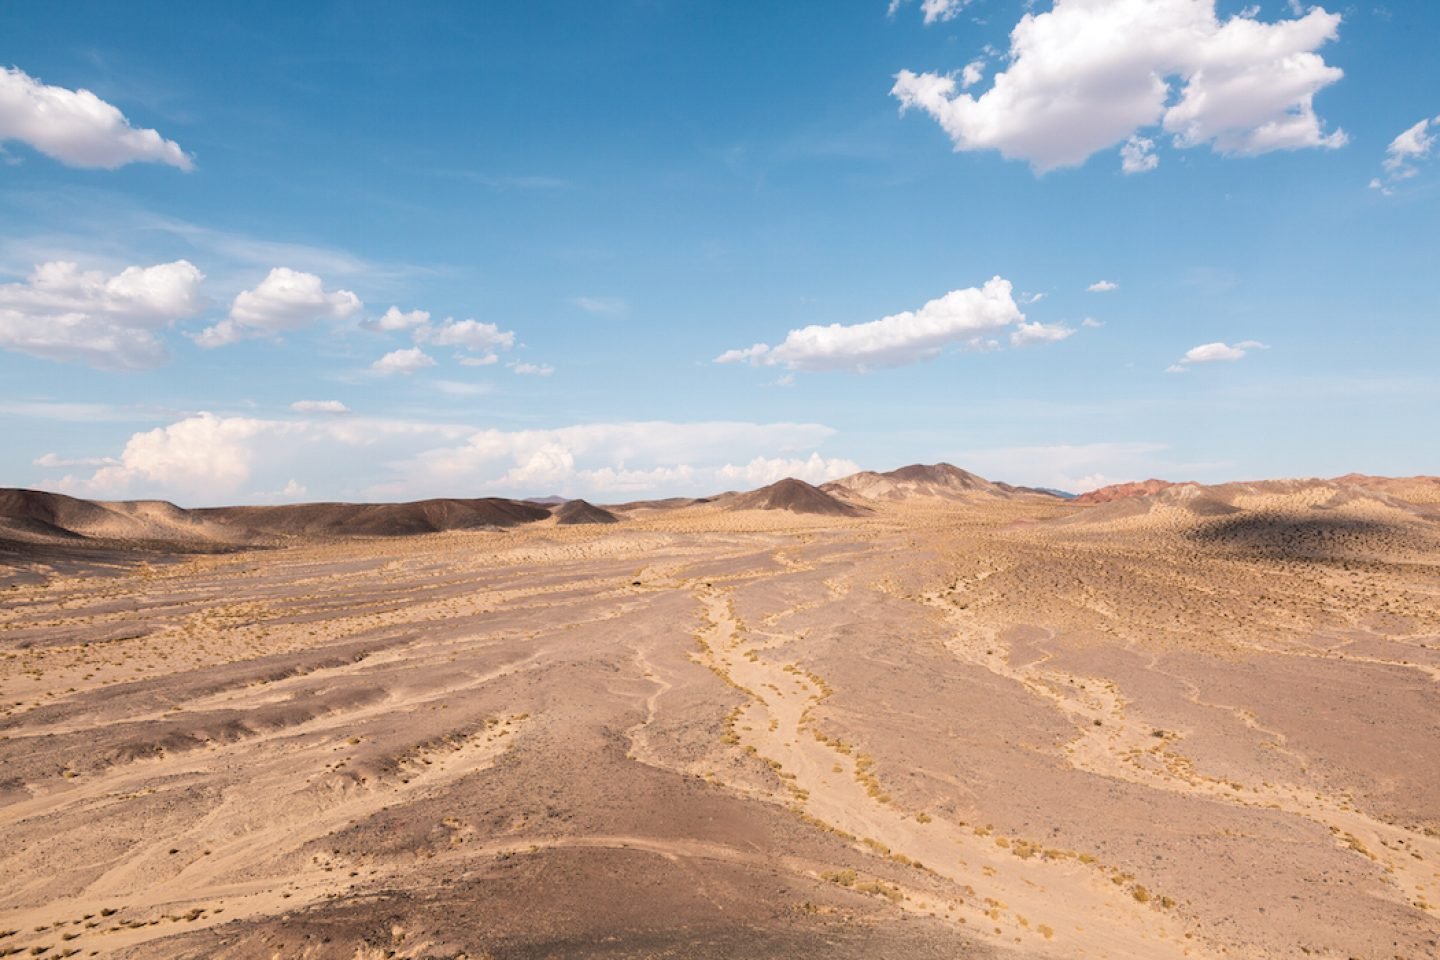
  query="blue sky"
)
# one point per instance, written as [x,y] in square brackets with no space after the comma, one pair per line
[905,206]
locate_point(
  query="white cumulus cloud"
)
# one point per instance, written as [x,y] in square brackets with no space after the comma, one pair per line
[755,354]
[1138,156]
[64,313]
[1213,352]
[1103,286]
[404,362]
[472,335]
[396,319]
[1029,333]
[961,316]
[285,300]
[213,459]
[548,467]
[763,471]
[76,127]
[1089,74]
[200,455]
[533,369]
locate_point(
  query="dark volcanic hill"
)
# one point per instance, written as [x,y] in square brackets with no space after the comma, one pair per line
[378,519]
[34,515]
[580,511]
[797,496]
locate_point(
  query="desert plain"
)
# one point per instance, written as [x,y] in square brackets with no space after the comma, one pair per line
[907,715]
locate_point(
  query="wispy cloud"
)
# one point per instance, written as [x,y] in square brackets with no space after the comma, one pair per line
[52,460]
[319,406]
[83,412]
[1405,153]
[1078,467]
[253,251]
[604,306]
[505,182]
[460,388]
[932,11]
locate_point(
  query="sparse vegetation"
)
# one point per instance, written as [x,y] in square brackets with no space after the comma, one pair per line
[402,686]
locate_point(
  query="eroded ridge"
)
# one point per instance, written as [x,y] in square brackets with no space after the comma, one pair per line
[1012,888]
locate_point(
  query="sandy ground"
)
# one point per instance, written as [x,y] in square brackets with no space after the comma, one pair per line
[944,730]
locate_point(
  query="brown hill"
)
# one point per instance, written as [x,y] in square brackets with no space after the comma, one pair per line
[39,516]
[53,511]
[669,503]
[1122,491]
[378,519]
[933,481]
[579,511]
[797,496]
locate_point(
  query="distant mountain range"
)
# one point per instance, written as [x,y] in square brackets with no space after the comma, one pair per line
[37,517]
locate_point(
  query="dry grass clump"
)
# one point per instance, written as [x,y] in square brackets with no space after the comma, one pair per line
[851,880]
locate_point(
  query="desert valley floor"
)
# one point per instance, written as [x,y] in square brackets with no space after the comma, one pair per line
[1199,722]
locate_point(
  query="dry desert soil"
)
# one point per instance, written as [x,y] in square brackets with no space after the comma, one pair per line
[955,721]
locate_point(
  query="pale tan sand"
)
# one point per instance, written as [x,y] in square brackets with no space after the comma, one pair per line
[946,728]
